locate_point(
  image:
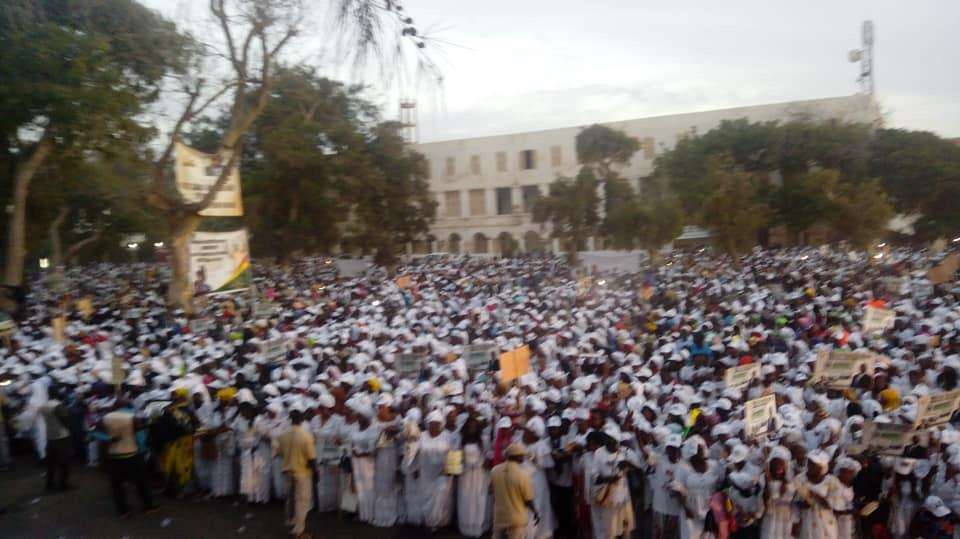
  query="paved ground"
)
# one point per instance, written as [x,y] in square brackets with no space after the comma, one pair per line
[87,512]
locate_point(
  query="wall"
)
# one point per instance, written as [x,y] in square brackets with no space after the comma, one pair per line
[656,134]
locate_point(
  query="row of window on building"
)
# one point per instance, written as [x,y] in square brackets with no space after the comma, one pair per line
[528,160]
[477,202]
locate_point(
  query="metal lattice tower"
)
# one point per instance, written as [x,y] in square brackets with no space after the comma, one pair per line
[408,121]
[864,55]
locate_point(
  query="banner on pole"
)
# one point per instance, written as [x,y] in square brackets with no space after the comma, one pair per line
[876,321]
[757,414]
[198,172]
[937,409]
[409,365]
[478,356]
[219,262]
[740,377]
[836,369]
[515,363]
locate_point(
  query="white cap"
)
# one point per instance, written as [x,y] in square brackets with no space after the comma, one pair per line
[936,506]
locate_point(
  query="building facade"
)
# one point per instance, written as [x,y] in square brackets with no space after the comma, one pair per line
[486,186]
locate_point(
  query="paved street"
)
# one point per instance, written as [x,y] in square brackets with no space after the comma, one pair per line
[87,512]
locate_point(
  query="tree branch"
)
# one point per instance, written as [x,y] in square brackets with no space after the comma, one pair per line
[76,247]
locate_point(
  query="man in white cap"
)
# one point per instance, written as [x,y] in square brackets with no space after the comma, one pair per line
[513,499]
[299,455]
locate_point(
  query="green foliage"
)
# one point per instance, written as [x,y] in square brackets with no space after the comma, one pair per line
[859,212]
[601,146]
[571,210]
[734,209]
[921,173]
[791,149]
[391,201]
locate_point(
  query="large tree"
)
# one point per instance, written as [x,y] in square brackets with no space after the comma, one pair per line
[389,199]
[74,76]
[734,208]
[921,174]
[253,37]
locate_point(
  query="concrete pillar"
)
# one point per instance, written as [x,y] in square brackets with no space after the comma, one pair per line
[591,243]
[555,245]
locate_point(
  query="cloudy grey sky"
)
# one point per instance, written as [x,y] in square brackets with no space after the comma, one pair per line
[533,64]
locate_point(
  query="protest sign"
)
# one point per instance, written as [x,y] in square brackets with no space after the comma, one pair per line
[758,414]
[274,348]
[404,281]
[945,271]
[197,173]
[478,356]
[85,307]
[59,326]
[410,364]
[876,321]
[740,377]
[515,363]
[886,438]
[836,369]
[219,262]
[201,326]
[937,409]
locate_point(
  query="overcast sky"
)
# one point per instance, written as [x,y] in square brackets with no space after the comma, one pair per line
[535,64]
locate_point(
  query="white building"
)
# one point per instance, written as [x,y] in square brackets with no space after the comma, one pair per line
[486,186]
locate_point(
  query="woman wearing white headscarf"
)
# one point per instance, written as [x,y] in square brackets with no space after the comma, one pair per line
[33,419]
[274,426]
[363,446]
[328,429]
[247,442]
[780,514]
[411,510]
[386,508]
[695,485]
[611,510]
[539,459]
[818,493]
[435,486]
[473,486]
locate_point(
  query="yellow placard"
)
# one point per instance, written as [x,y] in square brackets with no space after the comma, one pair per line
[515,363]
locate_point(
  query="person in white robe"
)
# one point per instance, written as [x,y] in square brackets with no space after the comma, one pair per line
[386,486]
[780,513]
[363,445]
[411,511]
[902,494]
[327,430]
[247,442]
[846,470]
[695,484]
[202,465]
[275,425]
[611,510]
[473,485]
[818,492]
[436,487]
[221,422]
[539,459]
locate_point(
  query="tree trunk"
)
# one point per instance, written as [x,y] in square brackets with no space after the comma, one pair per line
[56,248]
[180,293]
[16,228]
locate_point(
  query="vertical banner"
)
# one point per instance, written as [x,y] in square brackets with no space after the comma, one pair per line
[757,414]
[219,262]
[197,173]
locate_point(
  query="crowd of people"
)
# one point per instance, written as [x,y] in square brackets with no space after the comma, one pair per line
[623,425]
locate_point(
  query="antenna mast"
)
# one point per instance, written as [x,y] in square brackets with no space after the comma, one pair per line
[864,55]
[408,121]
